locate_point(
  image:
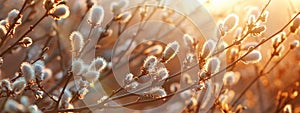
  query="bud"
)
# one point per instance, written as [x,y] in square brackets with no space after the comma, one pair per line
[28,72]
[38,69]
[252,57]
[76,41]
[123,3]
[162,74]
[230,78]
[117,7]
[188,40]
[77,67]
[212,65]
[98,64]
[12,106]
[12,15]
[47,74]
[96,15]
[170,51]
[294,44]
[82,92]
[26,42]
[295,25]
[91,76]
[287,109]
[4,23]
[5,83]
[230,22]
[34,109]
[128,78]
[3,31]
[18,86]
[60,12]
[150,63]
[48,4]
[174,87]
[124,17]
[208,48]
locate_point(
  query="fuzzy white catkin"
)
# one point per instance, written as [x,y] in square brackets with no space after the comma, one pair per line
[98,64]
[3,31]
[61,12]
[77,67]
[150,63]
[91,76]
[38,69]
[96,15]
[208,48]
[47,74]
[162,73]
[212,65]
[3,22]
[76,41]
[12,106]
[28,72]
[12,15]
[230,22]
[117,7]
[188,40]
[170,51]
[252,57]
[123,3]
[34,109]
[128,78]
[230,78]
[19,86]
[5,83]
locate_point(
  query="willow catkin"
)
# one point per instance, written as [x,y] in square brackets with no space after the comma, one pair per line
[170,51]
[98,64]
[96,15]
[60,12]
[76,41]
[12,15]
[91,76]
[208,48]
[230,22]
[212,65]
[77,67]
[253,57]
[28,72]
[294,44]
[150,63]
[3,31]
